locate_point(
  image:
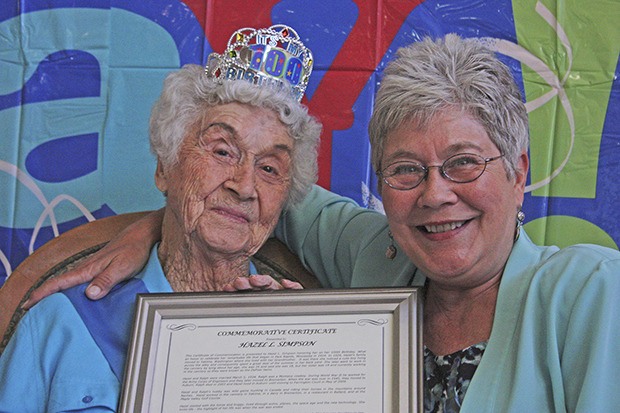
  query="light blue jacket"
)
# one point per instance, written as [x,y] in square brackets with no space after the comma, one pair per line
[556,332]
[68,353]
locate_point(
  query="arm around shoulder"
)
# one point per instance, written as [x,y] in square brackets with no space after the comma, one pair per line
[121,258]
[330,233]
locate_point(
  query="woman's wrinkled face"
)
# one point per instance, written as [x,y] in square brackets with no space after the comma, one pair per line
[458,234]
[231,181]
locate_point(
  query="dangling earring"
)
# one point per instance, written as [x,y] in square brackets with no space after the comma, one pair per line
[520,219]
[391,250]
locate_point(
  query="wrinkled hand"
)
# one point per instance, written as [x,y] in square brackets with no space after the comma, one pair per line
[122,258]
[261,283]
[107,267]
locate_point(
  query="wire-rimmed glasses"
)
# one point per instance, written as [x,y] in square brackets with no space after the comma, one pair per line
[461,168]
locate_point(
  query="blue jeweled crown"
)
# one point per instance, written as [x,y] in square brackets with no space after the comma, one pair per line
[264,56]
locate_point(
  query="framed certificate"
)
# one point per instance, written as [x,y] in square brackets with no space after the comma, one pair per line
[355,350]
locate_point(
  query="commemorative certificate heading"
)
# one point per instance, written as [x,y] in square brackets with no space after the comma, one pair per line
[331,351]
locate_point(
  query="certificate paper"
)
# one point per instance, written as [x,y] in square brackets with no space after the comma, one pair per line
[332,351]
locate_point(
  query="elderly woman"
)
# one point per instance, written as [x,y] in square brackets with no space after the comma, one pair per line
[508,326]
[230,156]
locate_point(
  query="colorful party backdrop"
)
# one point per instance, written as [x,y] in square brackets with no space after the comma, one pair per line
[78,78]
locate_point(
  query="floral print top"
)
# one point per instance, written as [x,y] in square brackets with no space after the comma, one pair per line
[446,378]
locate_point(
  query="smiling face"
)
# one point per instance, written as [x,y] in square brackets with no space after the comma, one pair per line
[232,179]
[458,234]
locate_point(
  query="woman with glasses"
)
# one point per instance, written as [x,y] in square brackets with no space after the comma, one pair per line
[508,326]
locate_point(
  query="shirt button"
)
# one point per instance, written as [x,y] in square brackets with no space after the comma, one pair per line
[87,399]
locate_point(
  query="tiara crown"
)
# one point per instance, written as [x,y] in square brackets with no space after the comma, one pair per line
[274,55]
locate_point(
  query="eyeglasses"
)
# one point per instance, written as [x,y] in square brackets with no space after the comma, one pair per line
[460,168]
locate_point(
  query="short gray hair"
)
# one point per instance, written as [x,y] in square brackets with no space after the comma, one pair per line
[430,76]
[188,92]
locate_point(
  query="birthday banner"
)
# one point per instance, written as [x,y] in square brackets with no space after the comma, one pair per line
[78,79]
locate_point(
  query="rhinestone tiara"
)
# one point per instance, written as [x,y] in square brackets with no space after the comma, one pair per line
[273,56]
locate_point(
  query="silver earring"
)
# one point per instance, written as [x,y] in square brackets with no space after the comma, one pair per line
[391,250]
[520,219]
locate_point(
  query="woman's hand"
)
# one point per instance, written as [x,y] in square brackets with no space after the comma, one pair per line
[122,258]
[260,283]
